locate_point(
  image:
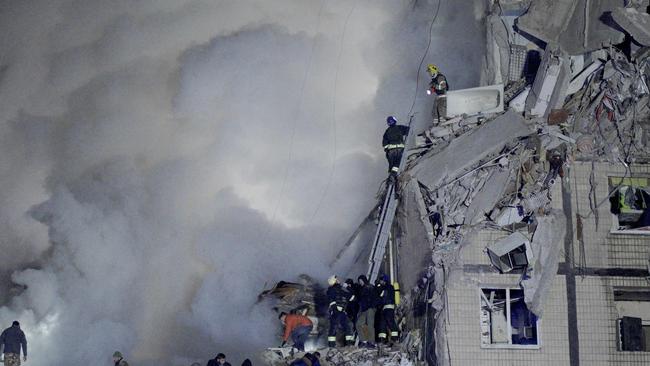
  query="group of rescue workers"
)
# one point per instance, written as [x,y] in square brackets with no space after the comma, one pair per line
[362,308]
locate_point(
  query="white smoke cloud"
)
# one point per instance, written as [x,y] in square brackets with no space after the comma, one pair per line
[161,161]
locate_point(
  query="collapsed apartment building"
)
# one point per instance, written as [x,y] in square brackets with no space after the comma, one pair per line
[522,229]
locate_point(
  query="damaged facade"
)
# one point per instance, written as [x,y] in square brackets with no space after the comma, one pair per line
[538,219]
[522,232]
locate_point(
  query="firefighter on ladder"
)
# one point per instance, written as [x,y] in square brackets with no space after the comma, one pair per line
[438,88]
[338,299]
[393,142]
[388,325]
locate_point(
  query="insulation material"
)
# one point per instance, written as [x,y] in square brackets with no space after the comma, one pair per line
[546,245]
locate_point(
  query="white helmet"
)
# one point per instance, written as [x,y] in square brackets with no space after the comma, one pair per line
[332,280]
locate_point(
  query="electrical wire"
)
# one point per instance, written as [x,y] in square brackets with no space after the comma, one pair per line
[334,120]
[426,52]
[295,122]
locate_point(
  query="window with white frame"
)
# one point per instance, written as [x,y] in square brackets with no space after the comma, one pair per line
[630,204]
[633,323]
[506,321]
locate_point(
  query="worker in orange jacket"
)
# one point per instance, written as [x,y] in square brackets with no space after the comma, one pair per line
[297,327]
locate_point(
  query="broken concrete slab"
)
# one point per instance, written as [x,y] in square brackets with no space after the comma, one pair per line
[518,103]
[487,198]
[416,241]
[579,80]
[547,19]
[577,26]
[634,22]
[481,100]
[467,150]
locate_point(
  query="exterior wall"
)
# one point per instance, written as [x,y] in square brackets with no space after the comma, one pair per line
[597,316]
[603,248]
[596,310]
[464,332]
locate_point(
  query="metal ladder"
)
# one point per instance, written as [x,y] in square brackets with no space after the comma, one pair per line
[386,218]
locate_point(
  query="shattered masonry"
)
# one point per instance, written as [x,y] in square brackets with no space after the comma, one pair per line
[564,168]
[523,228]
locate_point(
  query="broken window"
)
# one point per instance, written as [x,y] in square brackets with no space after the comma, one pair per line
[510,253]
[633,324]
[630,204]
[506,322]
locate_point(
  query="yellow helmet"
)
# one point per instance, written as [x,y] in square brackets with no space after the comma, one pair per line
[432,69]
[332,280]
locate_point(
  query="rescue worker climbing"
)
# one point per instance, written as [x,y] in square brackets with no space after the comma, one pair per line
[393,142]
[388,325]
[338,299]
[438,88]
[297,327]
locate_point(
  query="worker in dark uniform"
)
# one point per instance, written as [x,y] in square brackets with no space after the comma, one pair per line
[368,300]
[388,325]
[338,300]
[438,88]
[393,143]
[353,302]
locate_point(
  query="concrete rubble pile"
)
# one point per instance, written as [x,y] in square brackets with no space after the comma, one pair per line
[343,357]
[587,100]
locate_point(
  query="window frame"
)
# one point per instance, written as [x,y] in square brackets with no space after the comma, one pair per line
[615,224]
[508,345]
[630,294]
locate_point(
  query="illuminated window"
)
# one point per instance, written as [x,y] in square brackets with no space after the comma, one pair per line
[630,204]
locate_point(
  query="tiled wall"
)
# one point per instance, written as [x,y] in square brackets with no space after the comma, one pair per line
[596,311]
[464,326]
[597,322]
[602,248]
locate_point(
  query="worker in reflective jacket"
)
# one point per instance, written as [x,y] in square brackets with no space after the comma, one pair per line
[338,299]
[438,88]
[388,324]
[393,143]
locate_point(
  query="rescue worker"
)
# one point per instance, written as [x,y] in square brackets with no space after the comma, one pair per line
[297,327]
[220,360]
[11,340]
[353,302]
[438,88]
[393,142]
[367,295]
[338,299]
[118,359]
[388,324]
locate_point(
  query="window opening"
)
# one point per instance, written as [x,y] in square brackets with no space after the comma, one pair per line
[630,204]
[506,321]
